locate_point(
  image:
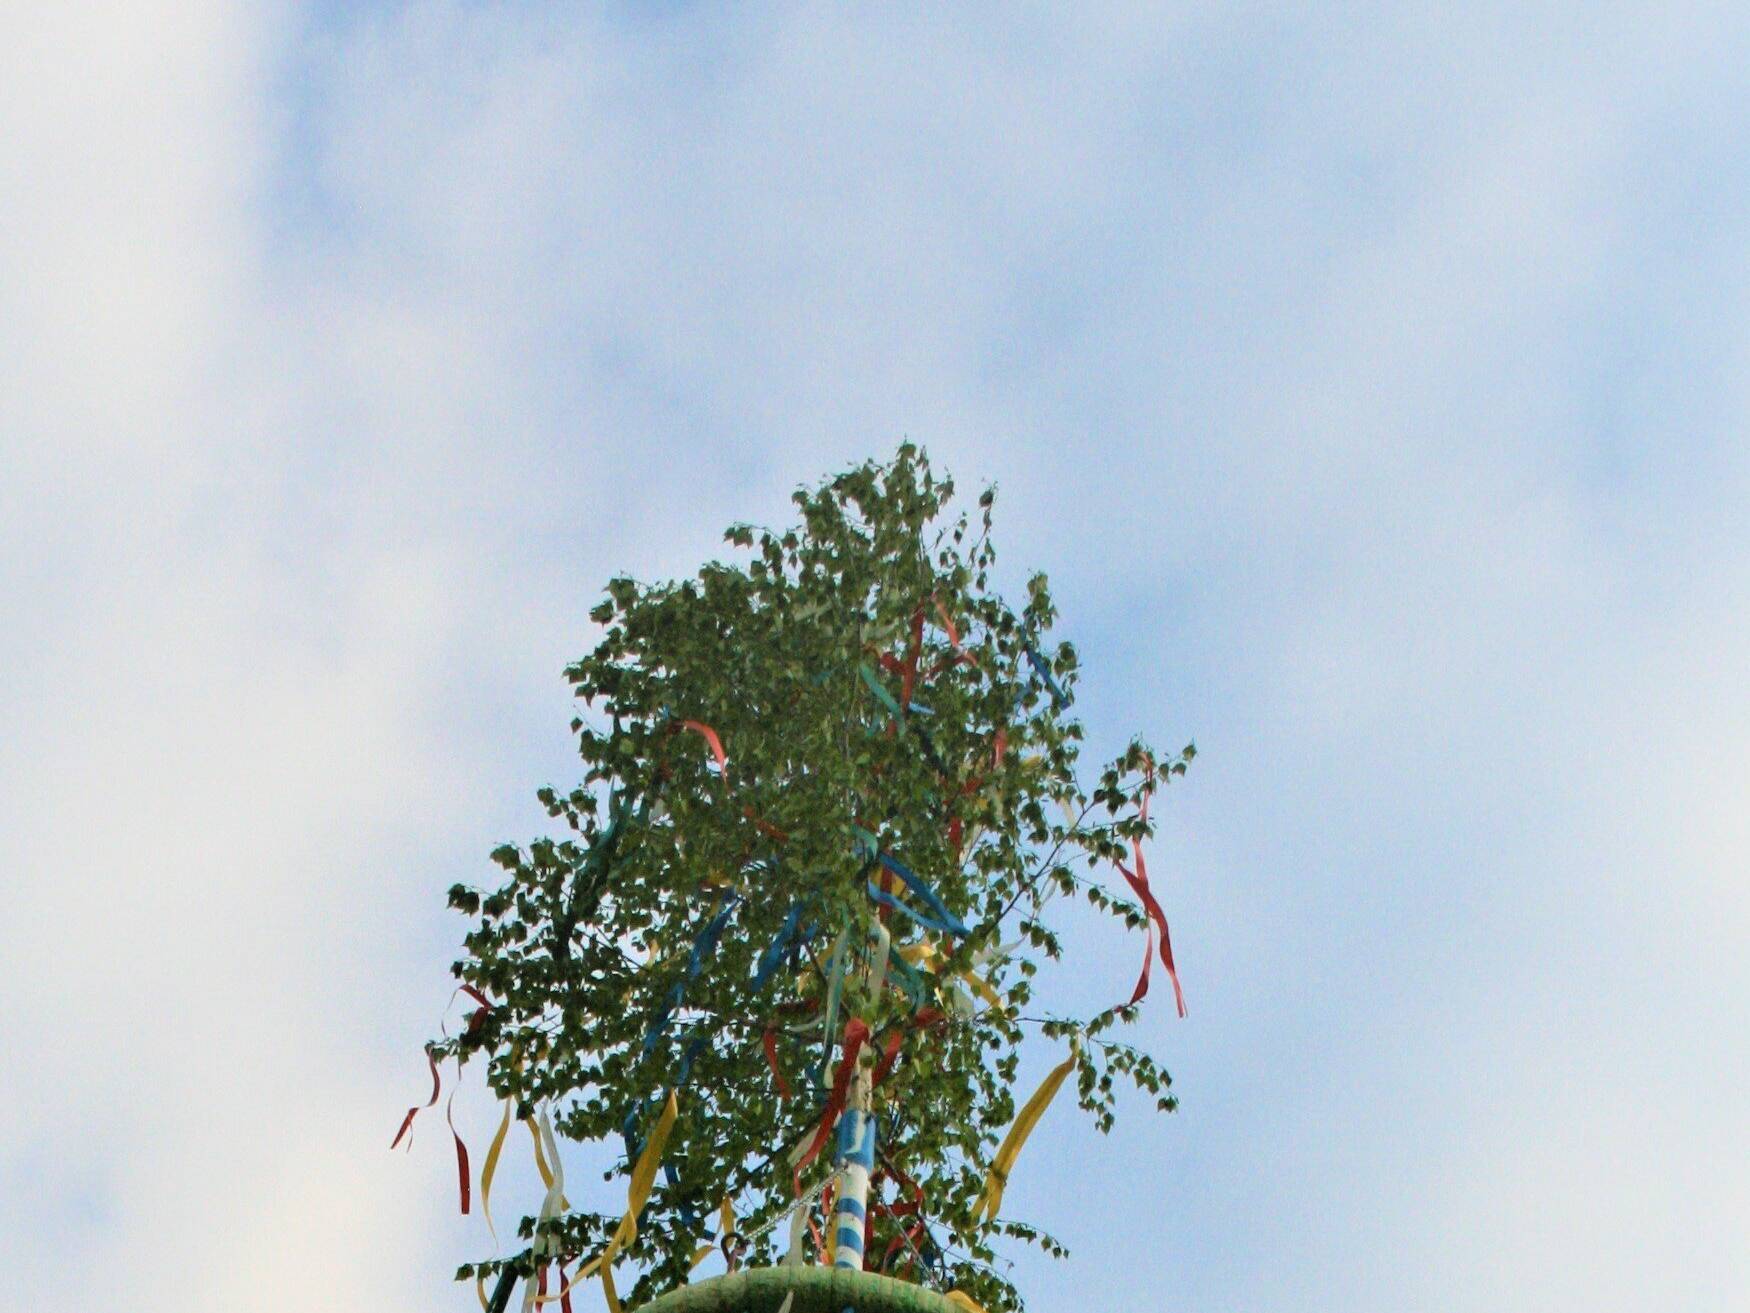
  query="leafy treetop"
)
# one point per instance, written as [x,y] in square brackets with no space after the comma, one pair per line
[879,707]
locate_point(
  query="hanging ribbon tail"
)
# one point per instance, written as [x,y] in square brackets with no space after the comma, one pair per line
[541,1168]
[948,625]
[889,1054]
[489,1169]
[563,1298]
[550,1172]
[878,966]
[710,737]
[1139,884]
[770,1041]
[917,885]
[913,651]
[637,1195]
[1172,971]
[1013,1142]
[551,1206]
[884,899]
[1160,920]
[462,1172]
[407,1121]
[1148,955]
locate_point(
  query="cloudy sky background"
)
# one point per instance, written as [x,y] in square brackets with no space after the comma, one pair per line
[1372,382]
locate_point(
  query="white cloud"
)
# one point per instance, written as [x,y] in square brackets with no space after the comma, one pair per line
[340,366]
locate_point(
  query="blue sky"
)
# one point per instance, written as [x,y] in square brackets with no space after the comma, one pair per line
[1371,381]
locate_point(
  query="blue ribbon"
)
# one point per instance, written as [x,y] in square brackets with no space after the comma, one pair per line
[929,750]
[773,957]
[1058,696]
[944,919]
[703,947]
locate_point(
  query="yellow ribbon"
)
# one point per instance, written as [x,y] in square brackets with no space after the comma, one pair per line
[490,1167]
[726,1220]
[929,955]
[998,1175]
[637,1195]
[542,1166]
[960,1299]
[643,1177]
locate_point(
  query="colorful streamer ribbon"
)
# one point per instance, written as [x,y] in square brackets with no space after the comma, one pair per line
[1138,882]
[704,944]
[551,1206]
[880,691]
[637,1195]
[1004,1163]
[716,744]
[1058,697]
[943,918]
[462,1173]
[407,1121]
[489,1169]
[856,1034]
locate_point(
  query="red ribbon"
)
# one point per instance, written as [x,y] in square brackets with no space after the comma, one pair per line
[710,737]
[479,1014]
[1139,883]
[948,624]
[913,1208]
[407,1122]
[889,1054]
[1148,953]
[923,1019]
[999,746]
[771,1045]
[911,658]
[461,1149]
[856,1032]
[764,826]
[960,653]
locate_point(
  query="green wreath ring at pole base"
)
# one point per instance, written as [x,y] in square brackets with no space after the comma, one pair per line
[816,1290]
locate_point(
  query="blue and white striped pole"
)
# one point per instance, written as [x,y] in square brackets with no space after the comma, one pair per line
[856,1158]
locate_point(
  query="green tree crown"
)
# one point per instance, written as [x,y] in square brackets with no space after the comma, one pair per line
[896,752]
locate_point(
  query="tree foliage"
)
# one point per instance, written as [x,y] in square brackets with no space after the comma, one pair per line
[874,698]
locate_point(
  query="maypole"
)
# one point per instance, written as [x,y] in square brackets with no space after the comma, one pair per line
[856,1162]
[802,890]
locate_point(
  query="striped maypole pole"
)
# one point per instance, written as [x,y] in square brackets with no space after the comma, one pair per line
[856,1157]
